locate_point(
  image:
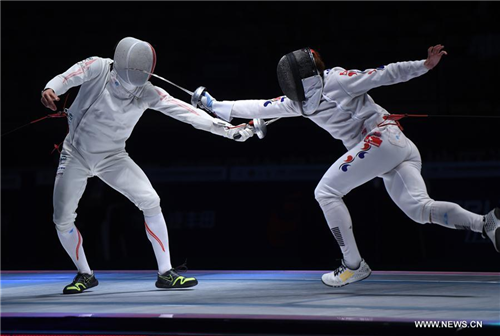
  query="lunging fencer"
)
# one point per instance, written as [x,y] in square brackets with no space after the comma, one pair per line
[337,100]
[113,95]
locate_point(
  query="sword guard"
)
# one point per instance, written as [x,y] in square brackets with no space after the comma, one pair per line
[196,101]
[196,97]
[260,127]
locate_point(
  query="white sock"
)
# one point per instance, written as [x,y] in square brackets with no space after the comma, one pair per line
[453,216]
[156,230]
[72,242]
[340,223]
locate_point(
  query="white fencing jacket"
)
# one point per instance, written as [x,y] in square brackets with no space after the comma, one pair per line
[106,108]
[345,110]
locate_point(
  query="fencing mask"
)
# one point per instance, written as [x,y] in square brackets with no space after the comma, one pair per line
[132,56]
[292,69]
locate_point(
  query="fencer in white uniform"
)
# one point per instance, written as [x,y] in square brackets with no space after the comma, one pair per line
[113,96]
[337,101]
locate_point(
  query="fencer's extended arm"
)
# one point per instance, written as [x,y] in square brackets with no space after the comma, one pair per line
[259,109]
[356,82]
[199,119]
[78,74]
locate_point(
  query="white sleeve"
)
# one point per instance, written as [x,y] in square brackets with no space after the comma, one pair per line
[250,109]
[184,112]
[78,74]
[356,82]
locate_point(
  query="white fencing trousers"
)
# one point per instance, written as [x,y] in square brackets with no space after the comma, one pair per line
[119,171]
[156,230]
[386,153]
[72,242]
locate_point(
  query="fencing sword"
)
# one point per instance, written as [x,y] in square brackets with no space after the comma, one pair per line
[260,126]
[195,95]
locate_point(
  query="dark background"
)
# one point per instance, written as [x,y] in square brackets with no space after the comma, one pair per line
[250,205]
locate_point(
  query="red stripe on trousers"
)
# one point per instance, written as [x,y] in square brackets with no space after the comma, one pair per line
[79,243]
[154,236]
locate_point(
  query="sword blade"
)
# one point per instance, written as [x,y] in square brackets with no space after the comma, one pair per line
[269,122]
[165,80]
[172,83]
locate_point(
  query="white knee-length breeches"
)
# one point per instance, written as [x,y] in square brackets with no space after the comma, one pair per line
[386,153]
[118,170]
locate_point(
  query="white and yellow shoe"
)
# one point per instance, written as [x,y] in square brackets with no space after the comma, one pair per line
[343,275]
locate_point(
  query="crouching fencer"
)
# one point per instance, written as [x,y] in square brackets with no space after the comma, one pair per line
[113,96]
[337,100]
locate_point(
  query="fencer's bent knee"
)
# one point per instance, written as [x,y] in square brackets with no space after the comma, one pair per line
[150,204]
[64,217]
[325,194]
[152,212]
[63,226]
